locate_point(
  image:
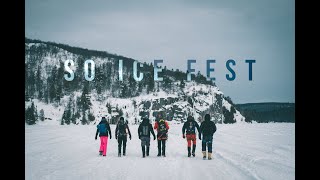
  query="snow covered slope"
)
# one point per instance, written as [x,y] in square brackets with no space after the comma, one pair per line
[174,97]
[240,152]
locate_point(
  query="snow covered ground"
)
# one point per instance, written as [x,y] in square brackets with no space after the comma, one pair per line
[240,151]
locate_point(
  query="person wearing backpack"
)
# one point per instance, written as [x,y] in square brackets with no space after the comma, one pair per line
[207,129]
[121,132]
[144,130]
[190,128]
[103,129]
[162,128]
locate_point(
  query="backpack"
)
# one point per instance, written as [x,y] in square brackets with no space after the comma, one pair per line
[191,128]
[145,130]
[162,127]
[102,128]
[122,129]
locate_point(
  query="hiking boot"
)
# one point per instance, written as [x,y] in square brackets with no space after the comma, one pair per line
[204,155]
[148,148]
[104,155]
[100,153]
[124,154]
[209,156]
[193,150]
[189,153]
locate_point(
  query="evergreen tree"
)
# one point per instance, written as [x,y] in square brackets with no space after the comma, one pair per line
[67,114]
[52,81]
[98,80]
[109,108]
[30,116]
[84,119]
[228,115]
[41,115]
[167,83]
[123,90]
[74,118]
[85,97]
[150,83]
[31,84]
[91,117]
[120,112]
[132,86]
[39,83]
[182,84]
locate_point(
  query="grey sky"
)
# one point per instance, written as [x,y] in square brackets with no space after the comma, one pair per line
[176,31]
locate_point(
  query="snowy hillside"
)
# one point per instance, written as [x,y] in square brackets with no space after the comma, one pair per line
[175,105]
[82,102]
[240,152]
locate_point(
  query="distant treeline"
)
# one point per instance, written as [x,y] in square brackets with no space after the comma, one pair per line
[268,112]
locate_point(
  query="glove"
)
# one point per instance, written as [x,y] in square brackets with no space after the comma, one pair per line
[139,137]
[110,136]
[154,137]
[130,137]
[183,136]
[95,138]
[116,137]
[200,136]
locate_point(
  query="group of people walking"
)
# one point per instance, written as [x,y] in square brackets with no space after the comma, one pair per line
[145,129]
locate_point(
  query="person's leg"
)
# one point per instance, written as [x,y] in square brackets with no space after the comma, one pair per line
[210,148]
[119,145]
[189,144]
[124,145]
[204,146]
[142,145]
[148,145]
[159,147]
[104,146]
[194,143]
[164,147]
[101,146]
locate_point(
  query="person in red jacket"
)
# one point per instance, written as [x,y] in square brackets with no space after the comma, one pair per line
[162,128]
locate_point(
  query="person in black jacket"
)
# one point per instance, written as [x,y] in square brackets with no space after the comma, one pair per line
[144,130]
[207,128]
[121,132]
[103,129]
[190,128]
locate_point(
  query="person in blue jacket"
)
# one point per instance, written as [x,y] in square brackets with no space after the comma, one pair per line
[103,129]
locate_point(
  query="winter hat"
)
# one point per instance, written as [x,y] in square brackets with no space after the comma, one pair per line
[121,120]
[145,119]
[190,118]
[207,117]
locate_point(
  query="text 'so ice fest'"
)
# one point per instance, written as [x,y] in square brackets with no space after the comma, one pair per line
[230,77]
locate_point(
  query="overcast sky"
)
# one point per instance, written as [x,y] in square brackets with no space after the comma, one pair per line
[176,31]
